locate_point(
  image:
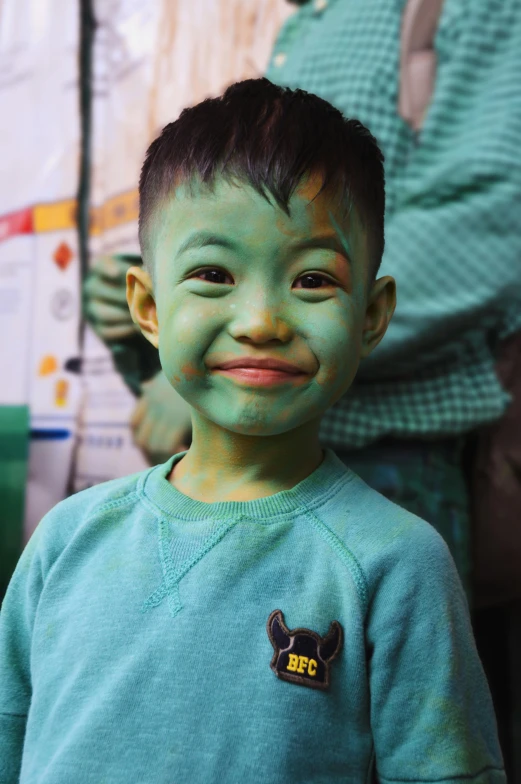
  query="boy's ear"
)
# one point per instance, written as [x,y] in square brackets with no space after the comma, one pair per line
[141,303]
[380,308]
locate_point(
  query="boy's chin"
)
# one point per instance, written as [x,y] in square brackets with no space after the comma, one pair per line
[259,429]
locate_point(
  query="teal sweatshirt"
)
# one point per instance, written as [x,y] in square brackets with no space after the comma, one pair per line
[317,635]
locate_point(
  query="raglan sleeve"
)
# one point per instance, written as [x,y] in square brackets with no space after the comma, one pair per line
[432,716]
[16,624]
[452,238]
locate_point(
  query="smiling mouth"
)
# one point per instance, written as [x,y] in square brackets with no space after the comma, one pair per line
[260,377]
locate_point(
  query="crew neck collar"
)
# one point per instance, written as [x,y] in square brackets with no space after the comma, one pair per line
[310,492]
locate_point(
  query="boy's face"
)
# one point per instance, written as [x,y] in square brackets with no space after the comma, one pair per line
[237,278]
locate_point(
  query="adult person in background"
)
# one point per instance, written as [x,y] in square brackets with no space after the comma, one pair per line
[453,243]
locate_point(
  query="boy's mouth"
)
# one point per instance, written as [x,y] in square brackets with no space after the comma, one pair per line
[260,363]
[260,371]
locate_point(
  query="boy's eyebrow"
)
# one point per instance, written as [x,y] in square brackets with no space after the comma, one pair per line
[327,241]
[202,239]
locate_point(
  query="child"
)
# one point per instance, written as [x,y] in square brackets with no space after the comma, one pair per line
[250,611]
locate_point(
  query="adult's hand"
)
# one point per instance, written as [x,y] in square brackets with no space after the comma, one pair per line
[105,301]
[161,423]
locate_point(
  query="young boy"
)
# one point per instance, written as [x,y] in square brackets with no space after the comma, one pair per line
[250,611]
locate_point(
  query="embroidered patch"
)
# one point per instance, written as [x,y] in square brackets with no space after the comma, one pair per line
[301,655]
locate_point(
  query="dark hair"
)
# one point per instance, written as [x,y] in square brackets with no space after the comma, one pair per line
[272,137]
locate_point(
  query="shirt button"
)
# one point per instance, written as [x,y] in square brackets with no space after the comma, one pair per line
[280,59]
[320,5]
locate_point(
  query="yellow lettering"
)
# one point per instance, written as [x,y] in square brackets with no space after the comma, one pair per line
[293,662]
[312,667]
[303,663]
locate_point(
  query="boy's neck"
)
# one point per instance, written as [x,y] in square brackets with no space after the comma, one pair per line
[225,466]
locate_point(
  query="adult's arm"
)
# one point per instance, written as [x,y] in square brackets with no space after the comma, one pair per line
[106,309]
[161,422]
[105,300]
[453,237]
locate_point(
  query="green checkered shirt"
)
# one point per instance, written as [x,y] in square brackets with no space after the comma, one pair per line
[453,221]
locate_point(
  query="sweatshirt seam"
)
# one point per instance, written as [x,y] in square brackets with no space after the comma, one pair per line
[14,715]
[114,504]
[171,576]
[345,554]
[95,513]
[131,497]
[302,509]
[457,777]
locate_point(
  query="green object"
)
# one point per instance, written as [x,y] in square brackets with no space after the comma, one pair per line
[138,608]
[14,450]
[453,242]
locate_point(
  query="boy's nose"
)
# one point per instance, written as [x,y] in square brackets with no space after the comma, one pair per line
[260,324]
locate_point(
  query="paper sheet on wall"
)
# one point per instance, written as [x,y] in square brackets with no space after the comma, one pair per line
[39,270]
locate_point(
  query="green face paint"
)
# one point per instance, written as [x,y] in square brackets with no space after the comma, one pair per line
[236,277]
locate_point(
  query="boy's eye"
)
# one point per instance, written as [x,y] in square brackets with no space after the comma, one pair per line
[213,276]
[314,281]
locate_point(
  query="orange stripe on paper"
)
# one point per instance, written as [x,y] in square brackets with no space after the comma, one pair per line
[55,217]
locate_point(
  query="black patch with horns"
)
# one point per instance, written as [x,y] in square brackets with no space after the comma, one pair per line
[301,655]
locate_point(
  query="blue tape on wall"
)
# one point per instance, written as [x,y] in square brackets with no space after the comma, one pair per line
[50,435]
